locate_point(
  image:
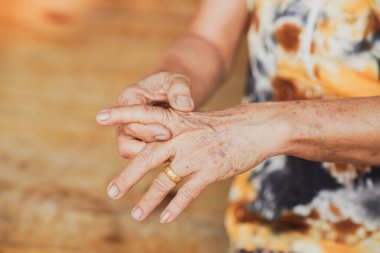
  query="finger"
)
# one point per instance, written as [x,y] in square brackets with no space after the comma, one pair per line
[185,195]
[156,193]
[151,157]
[135,94]
[132,95]
[129,147]
[147,133]
[144,114]
[179,94]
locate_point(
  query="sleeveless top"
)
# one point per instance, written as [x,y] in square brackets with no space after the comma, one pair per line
[311,49]
[307,49]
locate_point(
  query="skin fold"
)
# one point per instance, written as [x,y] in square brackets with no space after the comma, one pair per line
[206,147]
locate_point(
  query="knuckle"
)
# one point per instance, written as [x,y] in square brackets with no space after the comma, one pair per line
[128,92]
[147,137]
[145,134]
[125,152]
[203,179]
[120,141]
[127,148]
[165,118]
[120,146]
[160,185]
[140,134]
[152,148]
[180,80]
[147,202]
[144,108]
[134,129]
[122,97]
[126,129]
[187,193]
[124,94]
[177,204]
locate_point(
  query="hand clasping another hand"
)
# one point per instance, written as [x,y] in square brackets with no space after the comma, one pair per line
[205,147]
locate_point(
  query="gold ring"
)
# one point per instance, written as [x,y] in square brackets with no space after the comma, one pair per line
[171,174]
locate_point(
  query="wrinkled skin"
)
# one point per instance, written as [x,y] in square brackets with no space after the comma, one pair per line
[206,147]
[160,88]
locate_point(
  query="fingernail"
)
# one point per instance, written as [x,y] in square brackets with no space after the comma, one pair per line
[183,101]
[113,191]
[160,137]
[165,218]
[137,213]
[103,115]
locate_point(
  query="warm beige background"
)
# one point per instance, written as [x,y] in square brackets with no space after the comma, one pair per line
[61,62]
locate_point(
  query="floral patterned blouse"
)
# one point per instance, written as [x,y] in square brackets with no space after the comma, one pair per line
[309,49]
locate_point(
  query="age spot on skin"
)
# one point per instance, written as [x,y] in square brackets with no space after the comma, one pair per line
[318,126]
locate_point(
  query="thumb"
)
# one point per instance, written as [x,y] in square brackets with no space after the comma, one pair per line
[179,95]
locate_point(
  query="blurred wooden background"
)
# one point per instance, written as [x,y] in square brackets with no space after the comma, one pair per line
[61,62]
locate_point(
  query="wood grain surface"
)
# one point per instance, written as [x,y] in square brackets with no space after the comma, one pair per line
[60,63]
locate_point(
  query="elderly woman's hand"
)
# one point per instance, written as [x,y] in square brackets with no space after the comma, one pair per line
[206,147]
[166,88]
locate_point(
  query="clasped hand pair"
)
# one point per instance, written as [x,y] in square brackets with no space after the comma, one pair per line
[201,147]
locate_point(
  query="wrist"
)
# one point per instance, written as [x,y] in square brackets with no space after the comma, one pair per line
[300,131]
[289,127]
[272,123]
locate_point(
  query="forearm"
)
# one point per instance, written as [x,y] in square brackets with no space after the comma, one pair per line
[207,52]
[199,60]
[343,130]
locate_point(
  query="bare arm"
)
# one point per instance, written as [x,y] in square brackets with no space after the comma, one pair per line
[344,130]
[188,71]
[207,51]
[211,146]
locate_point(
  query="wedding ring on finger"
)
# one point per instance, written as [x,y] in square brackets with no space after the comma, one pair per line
[172,175]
